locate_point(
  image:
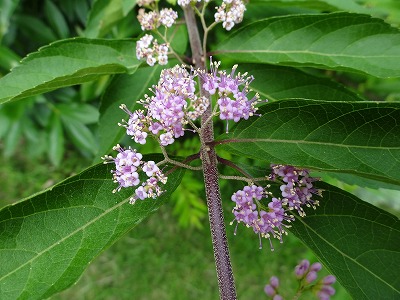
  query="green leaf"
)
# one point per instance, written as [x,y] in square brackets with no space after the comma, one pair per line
[323,5]
[7,8]
[84,113]
[56,19]
[279,83]
[124,89]
[103,16]
[56,140]
[337,41]
[80,134]
[357,241]
[65,63]
[361,138]
[47,240]
[35,27]
[8,58]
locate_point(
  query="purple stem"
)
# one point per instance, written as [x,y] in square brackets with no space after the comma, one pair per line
[226,282]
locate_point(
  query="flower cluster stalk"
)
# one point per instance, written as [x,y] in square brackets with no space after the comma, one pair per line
[208,155]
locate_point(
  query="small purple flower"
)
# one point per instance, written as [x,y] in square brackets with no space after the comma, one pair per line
[150,168]
[302,268]
[127,165]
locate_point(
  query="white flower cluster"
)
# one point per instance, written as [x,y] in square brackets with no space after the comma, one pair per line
[230,13]
[148,48]
[152,19]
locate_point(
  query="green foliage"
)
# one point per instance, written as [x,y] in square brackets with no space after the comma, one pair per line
[358,242]
[63,229]
[81,59]
[344,137]
[318,116]
[337,41]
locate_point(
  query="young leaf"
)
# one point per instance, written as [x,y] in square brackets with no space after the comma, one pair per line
[47,240]
[279,83]
[361,138]
[357,241]
[66,63]
[337,41]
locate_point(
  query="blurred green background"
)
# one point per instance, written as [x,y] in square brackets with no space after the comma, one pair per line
[47,138]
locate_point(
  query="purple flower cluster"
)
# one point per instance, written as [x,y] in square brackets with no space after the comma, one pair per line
[271,289]
[232,91]
[297,188]
[175,103]
[266,223]
[128,163]
[307,275]
[272,220]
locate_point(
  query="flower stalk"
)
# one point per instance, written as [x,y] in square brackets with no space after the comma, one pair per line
[208,155]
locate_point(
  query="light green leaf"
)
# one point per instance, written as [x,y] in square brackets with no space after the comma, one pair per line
[361,138]
[56,140]
[8,58]
[337,41]
[357,241]
[279,83]
[103,16]
[65,63]
[7,8]
[46,241]
[80,134]
[84,113]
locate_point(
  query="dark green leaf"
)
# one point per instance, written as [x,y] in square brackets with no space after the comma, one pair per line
[34,26]
[322,5]
[361,138]
[357,241]
[56,19]
[47,241]
[66,63]
[279,83]
[337,41]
